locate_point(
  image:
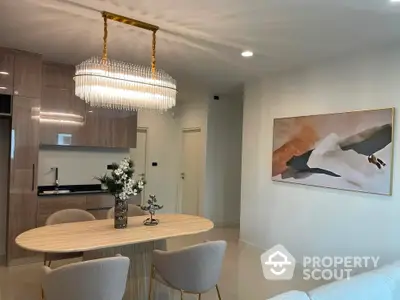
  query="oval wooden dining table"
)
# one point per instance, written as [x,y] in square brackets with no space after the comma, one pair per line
[99,239]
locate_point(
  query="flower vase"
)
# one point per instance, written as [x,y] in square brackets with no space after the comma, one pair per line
[120,214]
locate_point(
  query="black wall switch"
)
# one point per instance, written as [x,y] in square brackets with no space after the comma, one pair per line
[109,167]
[154,164]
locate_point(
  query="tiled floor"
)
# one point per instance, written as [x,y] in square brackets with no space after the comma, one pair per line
[241,278]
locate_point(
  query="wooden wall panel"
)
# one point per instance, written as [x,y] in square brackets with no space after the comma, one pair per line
[21,217]
[23,169]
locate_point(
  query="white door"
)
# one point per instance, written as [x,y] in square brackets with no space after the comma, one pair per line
[138,155]
[190,176]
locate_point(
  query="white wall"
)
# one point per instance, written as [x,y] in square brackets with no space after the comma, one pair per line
[76,165]
[193,114]
[223,161]
[162,147]
[221,125]
[308,220]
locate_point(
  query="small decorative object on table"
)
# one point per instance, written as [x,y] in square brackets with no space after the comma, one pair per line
[121,185]
[151,207]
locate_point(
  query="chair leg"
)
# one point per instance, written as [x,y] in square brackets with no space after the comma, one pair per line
[219,295]
[181,295]
[151,282]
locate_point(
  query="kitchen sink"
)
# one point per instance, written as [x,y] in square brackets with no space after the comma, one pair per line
[56,192]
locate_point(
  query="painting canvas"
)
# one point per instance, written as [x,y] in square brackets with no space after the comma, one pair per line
[349,151]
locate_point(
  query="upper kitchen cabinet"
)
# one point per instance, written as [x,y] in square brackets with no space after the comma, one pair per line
[58,75]
[66,120]
[109,128]
[27,75]
[62,114]
[124,128]
[6,71]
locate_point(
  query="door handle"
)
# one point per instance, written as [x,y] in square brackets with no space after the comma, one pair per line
[33,177]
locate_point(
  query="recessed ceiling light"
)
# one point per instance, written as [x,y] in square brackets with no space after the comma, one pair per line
[4,73]
[395,1]
[247,53]
[3,88]
[90,111]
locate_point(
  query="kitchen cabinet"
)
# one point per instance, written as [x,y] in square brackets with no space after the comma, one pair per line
[50,204]
[96,204]
[124,130]
[99,201]
[66,120]
[27,75]
[109,128]
[6,71]
[99,214]
[62,113]
[23,168]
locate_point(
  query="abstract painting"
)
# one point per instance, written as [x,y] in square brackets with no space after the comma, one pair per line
[349,151]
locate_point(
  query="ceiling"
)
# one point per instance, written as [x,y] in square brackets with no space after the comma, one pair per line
[201,40]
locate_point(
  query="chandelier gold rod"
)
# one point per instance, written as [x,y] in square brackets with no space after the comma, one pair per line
[129,21]
[125,20]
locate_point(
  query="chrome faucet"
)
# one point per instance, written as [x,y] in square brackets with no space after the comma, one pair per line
[56,183]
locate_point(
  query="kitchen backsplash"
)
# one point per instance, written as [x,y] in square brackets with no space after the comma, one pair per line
[76,165]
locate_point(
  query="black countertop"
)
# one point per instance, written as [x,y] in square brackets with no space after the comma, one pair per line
[83,189]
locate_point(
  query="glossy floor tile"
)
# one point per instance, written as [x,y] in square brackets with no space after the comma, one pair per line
[241,278]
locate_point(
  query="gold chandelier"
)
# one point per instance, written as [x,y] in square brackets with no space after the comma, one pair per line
[120,85]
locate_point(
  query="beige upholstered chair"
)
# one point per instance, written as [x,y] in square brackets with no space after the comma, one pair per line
[66,216]
[133,211]
[99,279]
[193,270]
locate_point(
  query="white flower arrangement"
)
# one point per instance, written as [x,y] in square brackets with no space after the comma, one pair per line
[120,183]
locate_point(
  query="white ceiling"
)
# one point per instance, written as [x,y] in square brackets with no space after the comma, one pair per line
[202,39]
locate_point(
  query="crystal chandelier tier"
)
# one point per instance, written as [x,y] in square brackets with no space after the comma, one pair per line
[102,82]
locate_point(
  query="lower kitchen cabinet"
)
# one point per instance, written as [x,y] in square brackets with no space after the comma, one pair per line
[99,201]
[99,214]
[49,205]
[96,204]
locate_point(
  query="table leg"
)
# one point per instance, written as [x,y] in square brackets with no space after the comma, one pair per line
[140,255]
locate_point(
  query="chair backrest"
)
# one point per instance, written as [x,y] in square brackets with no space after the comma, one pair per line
[195,269]
[133,211]
[99,279]
[69,216]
